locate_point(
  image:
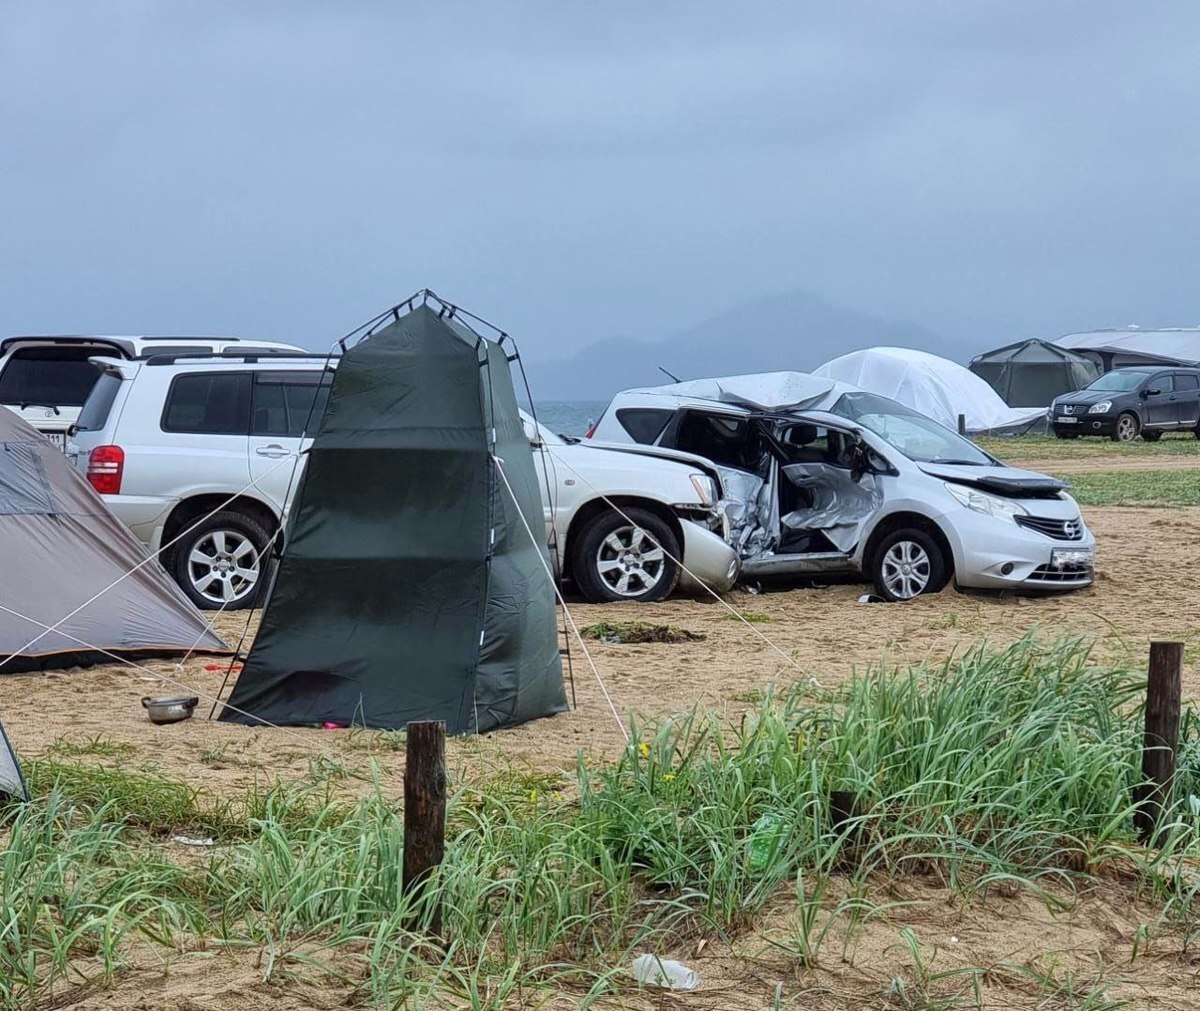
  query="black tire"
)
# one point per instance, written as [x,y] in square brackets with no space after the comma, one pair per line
[1126,428]
[231,530]
[591,548]
[1152,435]
[889,583]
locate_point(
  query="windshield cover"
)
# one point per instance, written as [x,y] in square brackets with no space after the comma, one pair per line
[1120,381]
[919,438]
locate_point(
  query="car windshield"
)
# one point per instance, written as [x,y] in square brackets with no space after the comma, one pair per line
[1120,381]
[919,438]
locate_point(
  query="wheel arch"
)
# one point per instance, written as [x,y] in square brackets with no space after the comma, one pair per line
[900,521]
[596,506]
[190,509]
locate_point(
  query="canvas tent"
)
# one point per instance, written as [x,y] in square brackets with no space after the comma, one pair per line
[75,591]
[12,783]
[1113,348]
[1033,372]
[409,588]
[937,387]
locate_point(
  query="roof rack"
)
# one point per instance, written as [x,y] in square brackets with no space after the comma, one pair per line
[246,356]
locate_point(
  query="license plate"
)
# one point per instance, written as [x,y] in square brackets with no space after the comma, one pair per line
[58,438]
[1066,420]
[1061,557]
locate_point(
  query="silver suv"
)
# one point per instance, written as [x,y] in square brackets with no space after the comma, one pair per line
[194,436]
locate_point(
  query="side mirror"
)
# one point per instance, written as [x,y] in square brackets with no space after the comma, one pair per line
[1152,392]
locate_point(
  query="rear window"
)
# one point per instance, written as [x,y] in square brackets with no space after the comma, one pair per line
[644,424]
[209,403]
[94,415]
[48,377]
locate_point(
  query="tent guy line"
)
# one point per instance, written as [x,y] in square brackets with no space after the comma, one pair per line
[181,684]
[713,593]
[558,593]
[56,627]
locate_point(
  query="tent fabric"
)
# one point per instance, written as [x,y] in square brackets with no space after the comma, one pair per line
[408,588]
[938,388]
[60,547]
[1033,372]
[1113,348]
[12,783]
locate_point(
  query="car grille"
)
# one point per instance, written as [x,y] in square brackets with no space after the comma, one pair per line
[1066,574]
[1070,408]
[1060,530]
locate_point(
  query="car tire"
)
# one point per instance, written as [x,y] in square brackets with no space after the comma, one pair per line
[1151,435]
[1126,428]
[628,557]
[213,561]
[927,572]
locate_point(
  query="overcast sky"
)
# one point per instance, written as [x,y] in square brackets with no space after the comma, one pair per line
[575,171]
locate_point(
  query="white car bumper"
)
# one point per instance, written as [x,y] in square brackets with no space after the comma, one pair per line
[994,554]
[708,559]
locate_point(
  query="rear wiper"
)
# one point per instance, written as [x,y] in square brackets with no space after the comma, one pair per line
[48,407]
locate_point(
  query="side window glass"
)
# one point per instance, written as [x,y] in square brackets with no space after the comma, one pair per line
[644,424]
[289,406]
[1164,383]
[209,404]
[1186,382]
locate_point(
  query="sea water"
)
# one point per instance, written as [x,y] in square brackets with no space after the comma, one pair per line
[569,417]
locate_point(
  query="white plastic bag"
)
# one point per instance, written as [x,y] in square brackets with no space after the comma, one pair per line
[650,970]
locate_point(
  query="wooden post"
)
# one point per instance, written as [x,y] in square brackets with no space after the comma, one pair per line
[424,808]
[962,424]
[1164,689]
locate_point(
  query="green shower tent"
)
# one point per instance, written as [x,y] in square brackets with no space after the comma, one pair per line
[414,581]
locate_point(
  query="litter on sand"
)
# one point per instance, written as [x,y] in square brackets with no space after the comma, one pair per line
[650,970]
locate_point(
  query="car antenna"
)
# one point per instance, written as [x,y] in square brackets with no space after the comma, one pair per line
[666,373]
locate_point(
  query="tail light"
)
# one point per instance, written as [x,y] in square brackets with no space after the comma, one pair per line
[106,466]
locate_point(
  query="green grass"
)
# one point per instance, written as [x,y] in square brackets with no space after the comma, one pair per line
[999,772]
[627,632]
[1047,447]
[1137,488]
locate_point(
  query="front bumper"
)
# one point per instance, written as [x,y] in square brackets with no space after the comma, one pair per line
[1083,424]
[710,561]
[992,554]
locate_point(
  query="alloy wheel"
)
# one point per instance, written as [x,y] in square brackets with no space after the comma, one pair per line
[1126,428]
[223,567]
[630,562]
[906,569]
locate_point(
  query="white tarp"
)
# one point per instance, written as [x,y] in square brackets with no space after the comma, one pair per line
[1179,345]
[768,391]
[937,387]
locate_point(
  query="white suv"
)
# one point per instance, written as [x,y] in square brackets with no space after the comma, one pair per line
[47,379]
[171,439]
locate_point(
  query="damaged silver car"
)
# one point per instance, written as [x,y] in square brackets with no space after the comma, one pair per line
[857,483]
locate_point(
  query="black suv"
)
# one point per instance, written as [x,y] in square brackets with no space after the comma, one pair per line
[1144,400]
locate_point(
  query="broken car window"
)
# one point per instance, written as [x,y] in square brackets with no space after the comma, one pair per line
[919,438]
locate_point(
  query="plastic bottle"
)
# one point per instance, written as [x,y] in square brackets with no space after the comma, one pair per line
[650,970]
[764,841]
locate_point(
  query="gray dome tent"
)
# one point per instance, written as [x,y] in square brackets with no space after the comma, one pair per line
[1032,373]
[76,590]
[409,588]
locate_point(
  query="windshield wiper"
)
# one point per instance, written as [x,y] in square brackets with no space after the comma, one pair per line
[959,463]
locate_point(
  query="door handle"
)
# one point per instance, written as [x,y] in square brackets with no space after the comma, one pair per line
[274,452]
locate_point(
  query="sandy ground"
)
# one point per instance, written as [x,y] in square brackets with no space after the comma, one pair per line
[1146,589]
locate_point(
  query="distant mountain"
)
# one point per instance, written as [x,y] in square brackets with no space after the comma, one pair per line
[796,331]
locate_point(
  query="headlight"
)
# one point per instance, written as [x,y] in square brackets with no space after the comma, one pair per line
[989,505]
[705,487]
[1101,408]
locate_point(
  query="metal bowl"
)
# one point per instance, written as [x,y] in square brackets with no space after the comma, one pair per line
[171,709]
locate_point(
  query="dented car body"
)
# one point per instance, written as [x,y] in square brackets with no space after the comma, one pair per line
[857,483]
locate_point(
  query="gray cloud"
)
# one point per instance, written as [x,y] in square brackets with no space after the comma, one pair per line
[286,169]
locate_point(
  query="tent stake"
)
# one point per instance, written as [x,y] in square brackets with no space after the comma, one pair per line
[425,810]
[1161,738]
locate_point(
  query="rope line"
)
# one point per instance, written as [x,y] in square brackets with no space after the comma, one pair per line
[558,593]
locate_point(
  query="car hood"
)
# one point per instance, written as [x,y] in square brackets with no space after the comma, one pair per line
[1007,481]
[645,456]
[1087,397]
